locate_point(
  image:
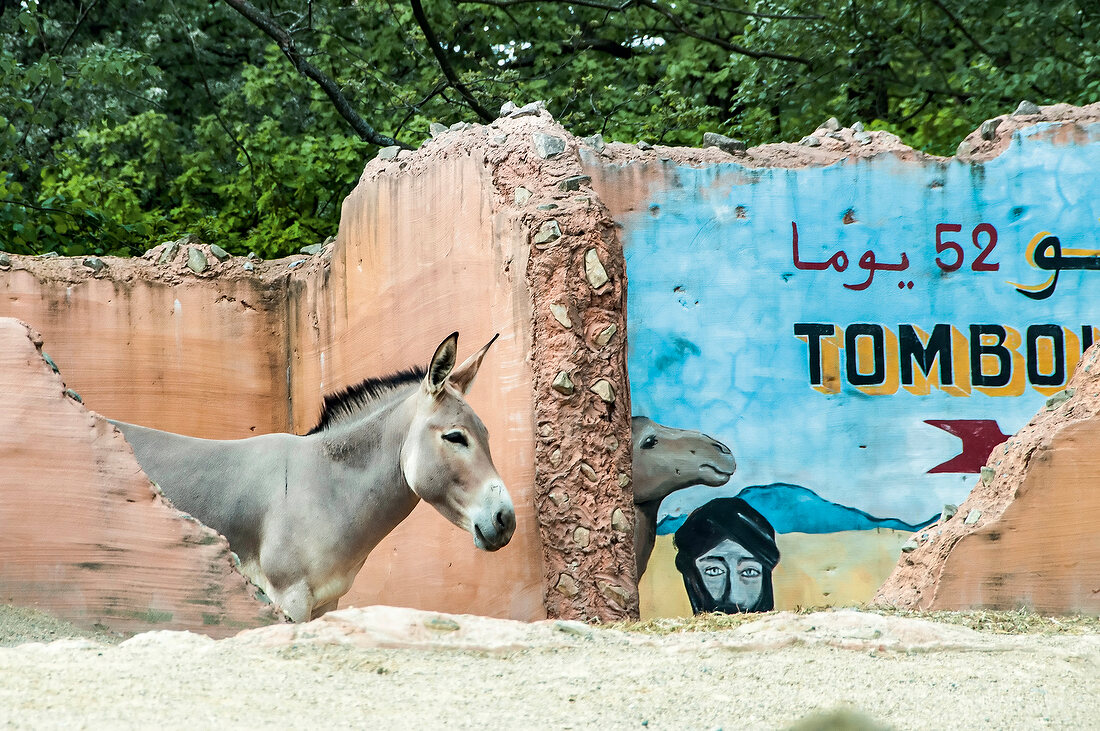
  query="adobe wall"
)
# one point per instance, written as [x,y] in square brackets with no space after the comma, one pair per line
[861,324]
[83,534]
[445,239]
[1025,535]
[430,242]
[150,342]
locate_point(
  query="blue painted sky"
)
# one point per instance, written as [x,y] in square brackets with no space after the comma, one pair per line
[714,295]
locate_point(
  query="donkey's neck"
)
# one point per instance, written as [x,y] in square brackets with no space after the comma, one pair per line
[365,459]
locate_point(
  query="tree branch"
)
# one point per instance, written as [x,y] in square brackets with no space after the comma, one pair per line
[961,27]
[754,14]
[45,209]
[928,97]
[445,64]
[414,108]
[286,44]
[725,45]
[677,22]
[76,27]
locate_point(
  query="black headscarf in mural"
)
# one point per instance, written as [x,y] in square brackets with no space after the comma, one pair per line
[708,525]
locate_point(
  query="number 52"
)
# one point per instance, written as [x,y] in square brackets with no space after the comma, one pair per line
[979,264]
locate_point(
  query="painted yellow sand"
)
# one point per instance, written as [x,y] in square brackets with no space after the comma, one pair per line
[828,569]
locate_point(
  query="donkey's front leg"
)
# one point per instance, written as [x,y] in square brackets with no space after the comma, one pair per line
[329,606]
[296,601]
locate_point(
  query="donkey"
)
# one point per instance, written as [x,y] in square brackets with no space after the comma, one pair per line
[667,460]
[379,448]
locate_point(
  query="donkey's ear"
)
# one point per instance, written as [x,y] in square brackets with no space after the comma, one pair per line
[463,376]
[443,362]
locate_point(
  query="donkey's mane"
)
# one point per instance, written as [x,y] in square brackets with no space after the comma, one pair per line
[350,401]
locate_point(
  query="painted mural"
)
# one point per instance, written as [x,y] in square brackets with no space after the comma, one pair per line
[666,460]
[861,336]
[726,551]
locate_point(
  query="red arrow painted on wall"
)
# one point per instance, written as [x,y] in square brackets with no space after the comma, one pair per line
[979,437]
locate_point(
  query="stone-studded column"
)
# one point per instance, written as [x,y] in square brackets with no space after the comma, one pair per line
[577,278]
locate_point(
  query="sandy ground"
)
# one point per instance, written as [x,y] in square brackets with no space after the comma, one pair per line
[387,668]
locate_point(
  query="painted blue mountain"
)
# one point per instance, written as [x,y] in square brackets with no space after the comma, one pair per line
[797,509]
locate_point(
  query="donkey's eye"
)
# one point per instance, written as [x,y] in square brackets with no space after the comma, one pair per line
[456,437]
[649,442]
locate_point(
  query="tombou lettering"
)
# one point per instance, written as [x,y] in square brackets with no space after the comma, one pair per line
[994,359]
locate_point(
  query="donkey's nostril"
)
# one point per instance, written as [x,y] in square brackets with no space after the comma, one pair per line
[722,448]
[500,520]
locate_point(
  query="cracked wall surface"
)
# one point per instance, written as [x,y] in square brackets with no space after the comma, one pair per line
[83,533]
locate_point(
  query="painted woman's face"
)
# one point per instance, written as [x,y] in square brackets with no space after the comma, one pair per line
[732,576]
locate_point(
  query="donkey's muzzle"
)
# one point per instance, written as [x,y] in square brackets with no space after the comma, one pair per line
[494,528]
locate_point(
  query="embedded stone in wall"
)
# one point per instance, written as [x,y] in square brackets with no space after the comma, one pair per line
[196,260]
[574,182]
[614,592]
[604,390]
[1027,108]
[605,335]
[561,314]
[548,232]
[596,142]
[594,269]
[567,585]
[548,145]
[563,384]
[168,252]
[722,142]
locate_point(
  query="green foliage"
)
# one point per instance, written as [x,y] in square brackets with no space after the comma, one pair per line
[929,71]
[126,124]
[112,149]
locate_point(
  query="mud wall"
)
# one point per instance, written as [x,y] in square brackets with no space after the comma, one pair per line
[1024,536]
[447,238]
[859,322]
[413,263]
[862,324]
[151,342]
[475,232]
[82,532]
